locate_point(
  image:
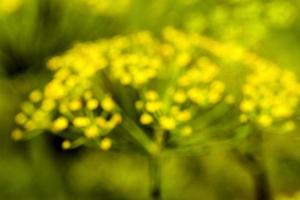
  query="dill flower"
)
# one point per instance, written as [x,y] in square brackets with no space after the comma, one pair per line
[59,124]
[66,104]
[107,104]
[105,144]
[166,93]
[66,144]
[72,101]
[164,86]
[146,119]
[17,134]
[270,95]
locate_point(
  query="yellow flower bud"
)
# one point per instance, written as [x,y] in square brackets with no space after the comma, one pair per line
[92,132]
[265,120]
[81,122]
[126,79]
[102,122]
[21,118]
[35,96]
[179,97]
[17,134]
[167,123]
[66,144]
[151,95]
[75,105]
[30,125]
[247,106]
[282,111]
[116,118]
[146,119]
[105,144]
[108,104]
[92,104]
[48,105]
[153,106]
[183,116]
[60,124]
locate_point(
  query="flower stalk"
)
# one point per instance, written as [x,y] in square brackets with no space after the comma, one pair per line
[252,161]
[155,165]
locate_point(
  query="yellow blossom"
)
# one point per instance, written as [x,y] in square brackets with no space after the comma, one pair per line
[48,105]
[151,95]
[167,123]
[146,119]
[66,144]
[105,144]
[21,118]
[247,106]
[183,116]
[92,132]
[153,106]
[81,122]
[35,96]
[75,105]
[60,124]
[101,122]
[92,104]
[265,120]
[179,97]
[17,134]
[116,118]
[108,104]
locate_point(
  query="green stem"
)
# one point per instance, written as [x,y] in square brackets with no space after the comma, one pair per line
[155,174]
[253,162]
[155,166]
[261,184]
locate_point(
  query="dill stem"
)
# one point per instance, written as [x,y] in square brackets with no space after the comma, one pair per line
[155,174]
[261,183]
[253,162]
[155,166]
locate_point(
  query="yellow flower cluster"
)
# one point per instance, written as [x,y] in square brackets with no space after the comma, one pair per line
[71,101]
[134,60]
[92,117]
[200,85]
[173,80]
[191,83]
[270,95]
[160,117]
[195,88]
